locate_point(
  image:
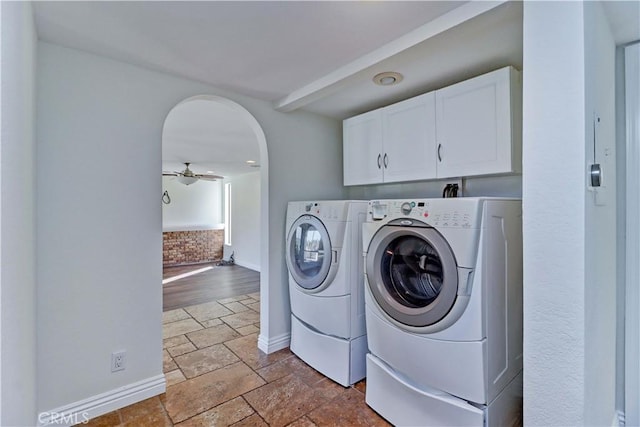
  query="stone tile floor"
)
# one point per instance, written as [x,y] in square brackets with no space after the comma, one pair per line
[216,376]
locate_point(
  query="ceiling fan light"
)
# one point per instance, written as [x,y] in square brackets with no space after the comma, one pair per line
[186,180]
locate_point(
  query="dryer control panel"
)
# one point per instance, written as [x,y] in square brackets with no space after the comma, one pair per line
[449,212]
[329,210]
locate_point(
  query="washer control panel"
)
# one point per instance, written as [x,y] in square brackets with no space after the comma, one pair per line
[450,212]
[324,210]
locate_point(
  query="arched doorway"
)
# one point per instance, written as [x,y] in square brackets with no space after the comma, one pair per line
[215,131]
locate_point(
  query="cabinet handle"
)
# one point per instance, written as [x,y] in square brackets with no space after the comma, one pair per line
[439,152]
[379,158]
[386,160]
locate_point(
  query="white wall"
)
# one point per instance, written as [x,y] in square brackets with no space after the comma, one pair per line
[193,207]
[600,221]
[99,265]
[17,217]
[498,186]
[569,240]
[245,214]
[305,162]
[554,213]
[99,252]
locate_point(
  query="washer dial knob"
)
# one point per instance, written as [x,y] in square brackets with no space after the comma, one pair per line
[406,208]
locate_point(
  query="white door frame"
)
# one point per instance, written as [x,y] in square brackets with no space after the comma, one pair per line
[632,279]
[261,140]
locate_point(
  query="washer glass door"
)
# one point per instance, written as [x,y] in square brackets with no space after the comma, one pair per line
[309,252]
[412,274]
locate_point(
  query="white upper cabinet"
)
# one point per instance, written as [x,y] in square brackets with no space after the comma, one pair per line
[408,137]
[470,128]
[478,124]
[391,144]
[362,148]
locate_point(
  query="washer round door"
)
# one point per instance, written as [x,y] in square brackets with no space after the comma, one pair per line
[412,273]
[308,252]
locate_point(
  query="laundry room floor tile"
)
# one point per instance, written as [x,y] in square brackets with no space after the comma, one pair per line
[146,413]
[213,335]
[347,410]
[223,415]
[288,366]
[211,322]
[174,377]
[181,349]
[217,376]
[208,310]
[303,422]
[232,299]
[236,307]
[246,349]
[205,360]
[255,306]
[174,316]
[180,327]
[241,319]
[175,341]
[108,420]
[197,395]
[252,421]
[284,400]
[248,330]
[167,362]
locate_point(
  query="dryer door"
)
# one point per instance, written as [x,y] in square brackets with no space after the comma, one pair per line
[308,252]
[412,273]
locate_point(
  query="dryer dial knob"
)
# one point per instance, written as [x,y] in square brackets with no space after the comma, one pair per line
[406,208]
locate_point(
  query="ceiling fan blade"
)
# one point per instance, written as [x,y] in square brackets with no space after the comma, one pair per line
[167,173]
[208,177]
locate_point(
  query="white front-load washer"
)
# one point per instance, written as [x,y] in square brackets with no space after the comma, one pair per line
[326,286]
[443,303]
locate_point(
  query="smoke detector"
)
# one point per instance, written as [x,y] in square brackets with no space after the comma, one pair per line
[387,78]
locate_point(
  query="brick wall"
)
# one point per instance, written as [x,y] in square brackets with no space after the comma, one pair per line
[191,247]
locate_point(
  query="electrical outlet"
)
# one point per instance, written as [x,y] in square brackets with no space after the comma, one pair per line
[118,360]
[457,181]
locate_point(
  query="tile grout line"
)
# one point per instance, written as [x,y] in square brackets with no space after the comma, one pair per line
[255,411]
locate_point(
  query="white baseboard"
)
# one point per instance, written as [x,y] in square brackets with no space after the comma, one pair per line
[83,410]
[249,265]
[270,345]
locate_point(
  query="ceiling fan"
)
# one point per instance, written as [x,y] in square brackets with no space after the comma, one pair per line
[188,177]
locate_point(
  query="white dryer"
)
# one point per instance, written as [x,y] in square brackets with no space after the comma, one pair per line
[326,286]
[443,300]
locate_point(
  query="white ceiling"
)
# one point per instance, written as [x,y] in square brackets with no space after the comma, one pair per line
[210,136]
[264,49]
[314,55]
[624,20]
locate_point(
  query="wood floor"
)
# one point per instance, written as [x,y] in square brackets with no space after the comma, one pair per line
[217,282]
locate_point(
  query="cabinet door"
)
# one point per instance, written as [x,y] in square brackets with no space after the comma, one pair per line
[362,149]
[476,132]
[408,140]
